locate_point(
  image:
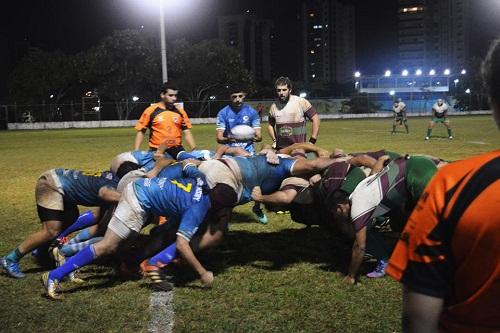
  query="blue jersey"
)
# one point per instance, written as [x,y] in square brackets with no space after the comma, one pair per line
[145,159]
[172,171]
[256,171]
[182,199]
[227,119]
[82,188]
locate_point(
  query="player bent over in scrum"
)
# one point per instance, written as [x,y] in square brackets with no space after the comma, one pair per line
[184,200]
[58,192]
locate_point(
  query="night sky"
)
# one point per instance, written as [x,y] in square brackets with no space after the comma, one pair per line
[76,25]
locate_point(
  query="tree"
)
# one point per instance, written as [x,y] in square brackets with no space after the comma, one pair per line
[43,76]
[360,103]
[473,80]
[123,65]
[206,68]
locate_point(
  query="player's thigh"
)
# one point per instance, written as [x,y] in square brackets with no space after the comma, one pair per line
[431,124]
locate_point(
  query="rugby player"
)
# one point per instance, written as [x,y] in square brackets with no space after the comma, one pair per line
[439,115]
[399,109]
[57,193]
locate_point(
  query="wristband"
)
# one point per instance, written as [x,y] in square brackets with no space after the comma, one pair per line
[312,140]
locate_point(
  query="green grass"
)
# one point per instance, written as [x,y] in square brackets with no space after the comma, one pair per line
[275,278]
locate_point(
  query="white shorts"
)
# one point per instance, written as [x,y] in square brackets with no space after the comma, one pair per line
[129,217]
[218,172]
[49,192]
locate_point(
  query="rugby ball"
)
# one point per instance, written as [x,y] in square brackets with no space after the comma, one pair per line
[243,132]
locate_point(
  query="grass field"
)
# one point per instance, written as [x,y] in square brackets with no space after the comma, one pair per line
[274,278]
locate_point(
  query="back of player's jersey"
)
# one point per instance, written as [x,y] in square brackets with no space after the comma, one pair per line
[82,188]
[172,171]
[145,159]
[256,171]
[168,197]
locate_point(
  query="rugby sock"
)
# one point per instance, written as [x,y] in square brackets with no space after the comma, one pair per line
[85,220]
[82,236]
[165,256]
[449,132]
[69,250]
[79,260]
[14,256]
[429,131]
[184,155]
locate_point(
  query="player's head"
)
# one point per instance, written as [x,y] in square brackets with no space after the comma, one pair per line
[222,196]
[237,95]
[125,168]
[491,77]
[440,101]
[283,87]
[168,93]
[340,209]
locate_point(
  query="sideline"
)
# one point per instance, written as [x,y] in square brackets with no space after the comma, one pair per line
[161,309]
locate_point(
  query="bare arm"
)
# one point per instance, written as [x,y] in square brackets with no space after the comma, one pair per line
[363,160]
[315,126]
[220,137]
[270,128]
[187,254]
[380,164]
[138,139]
[258,135]
[420,312]
[189,138]
[279,197]
[307,148]
[358,251]
[160,163]
[109,194]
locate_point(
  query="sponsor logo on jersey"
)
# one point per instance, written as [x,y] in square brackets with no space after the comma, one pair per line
[285,131]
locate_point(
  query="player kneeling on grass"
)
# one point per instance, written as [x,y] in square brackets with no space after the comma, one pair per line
[185,200]
[58,192]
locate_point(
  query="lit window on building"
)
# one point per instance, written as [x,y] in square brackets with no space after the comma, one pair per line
[411,9]
[312,51]
[318,26]
[313,76]
[311,14]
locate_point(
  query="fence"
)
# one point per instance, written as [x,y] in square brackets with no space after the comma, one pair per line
[359,104]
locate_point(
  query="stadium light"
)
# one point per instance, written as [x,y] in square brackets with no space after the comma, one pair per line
[303,95]
[135,98]
[357,74]
[404,72]
[432,72]
[463,72]
[392,93]
[467,91]
[212,97]
[447,71]
[51,96]
[387,73]
[418,72]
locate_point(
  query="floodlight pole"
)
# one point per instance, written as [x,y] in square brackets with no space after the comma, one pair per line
[163,44]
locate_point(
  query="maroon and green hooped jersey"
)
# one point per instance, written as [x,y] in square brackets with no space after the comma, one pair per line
[290,120]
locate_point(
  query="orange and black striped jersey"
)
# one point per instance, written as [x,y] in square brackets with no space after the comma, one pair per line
[164,125]
[450,247]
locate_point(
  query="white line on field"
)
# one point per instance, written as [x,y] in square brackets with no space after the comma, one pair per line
[478,142]
[161,309]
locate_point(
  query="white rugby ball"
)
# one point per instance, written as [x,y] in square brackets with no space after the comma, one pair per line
[243,132]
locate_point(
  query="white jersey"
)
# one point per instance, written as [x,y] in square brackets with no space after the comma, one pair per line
[399,107]
[440,110]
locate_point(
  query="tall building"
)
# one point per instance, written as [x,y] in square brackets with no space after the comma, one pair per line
[327,41]
[433,34]
[252,38]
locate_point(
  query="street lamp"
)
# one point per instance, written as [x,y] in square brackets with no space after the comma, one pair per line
[303,95]
[447,71]
[164,74]
[392,92]
[357,74]
[387,73]
[135,98]
[463,72]
[467,91]
[418,72]
[432,72]
[456,82]
[404,72]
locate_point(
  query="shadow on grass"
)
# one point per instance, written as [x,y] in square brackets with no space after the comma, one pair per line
[273,251]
